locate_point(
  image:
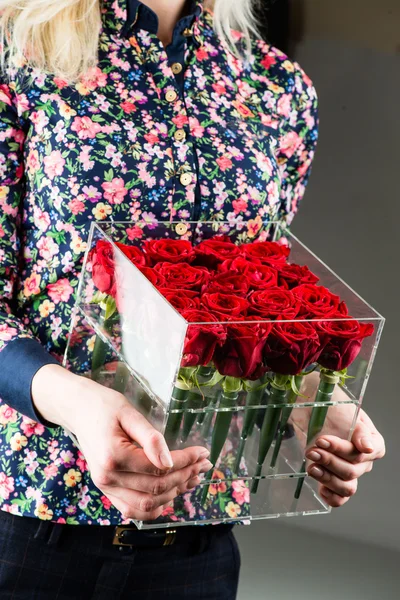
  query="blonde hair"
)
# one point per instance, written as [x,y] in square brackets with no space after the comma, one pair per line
[61,36]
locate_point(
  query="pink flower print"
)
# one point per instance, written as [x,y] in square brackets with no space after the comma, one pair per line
[67,458]
[5,95]
[180,121]
[31,428]
[13,509]
[61,520]
[128,107]
[91,193]
[7,415]
[81,462]
[106,502]
[264,163]
[60,291]
[114,191]
[40,120]
[6,486]
[50,471]
[76,206]
[47,248]
[289,143]
[239,205]
[54,164]
[189,507]
[195,128]
[284,105]
[241,491]
[41,219]
[7,333]
[32,161]
[85,128]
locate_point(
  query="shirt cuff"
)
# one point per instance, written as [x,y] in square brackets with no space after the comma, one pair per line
[20,360]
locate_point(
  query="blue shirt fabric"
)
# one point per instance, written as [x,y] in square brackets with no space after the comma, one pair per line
[223,138]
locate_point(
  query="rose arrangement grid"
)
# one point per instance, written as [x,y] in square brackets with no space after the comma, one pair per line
[237,338]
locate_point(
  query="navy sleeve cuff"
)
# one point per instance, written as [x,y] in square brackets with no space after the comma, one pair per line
[20,360]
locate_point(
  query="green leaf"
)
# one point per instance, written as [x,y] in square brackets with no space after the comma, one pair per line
[110,307]
[109,175]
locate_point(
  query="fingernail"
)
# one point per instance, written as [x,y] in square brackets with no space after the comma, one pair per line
[367,443]
[205,454]
[323,444]
[166,459]
[314,455]
[206,466]
[316,472]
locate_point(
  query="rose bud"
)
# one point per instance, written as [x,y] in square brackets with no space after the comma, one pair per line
[103,267]
[166,250]
[343,341]
[183,276]
[181,300]
[212,252]
[228,283]
[242,354]
[226,307]
[295,275]
[267,253]
[291,347]
[134,254]
[153,276]
[317,301]
[259,276]
[273,303]
[202,338]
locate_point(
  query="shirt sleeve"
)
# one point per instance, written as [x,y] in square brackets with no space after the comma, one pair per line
[21,354]
[298,143]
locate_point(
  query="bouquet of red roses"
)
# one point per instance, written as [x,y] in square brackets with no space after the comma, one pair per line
[257,325]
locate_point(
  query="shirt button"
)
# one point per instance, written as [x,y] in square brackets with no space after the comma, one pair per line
[176,68]
[179,135]
[171,96]
[186,179]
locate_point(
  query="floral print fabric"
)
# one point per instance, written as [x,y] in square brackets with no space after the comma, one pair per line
[108,148]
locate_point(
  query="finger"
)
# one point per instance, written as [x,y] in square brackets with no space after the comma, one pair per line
[332,499]
[336,465]
[368,439]
[133,501]
[335,484]
[157,485]
[342,448]
[134,460]
[128,513]
[141,431]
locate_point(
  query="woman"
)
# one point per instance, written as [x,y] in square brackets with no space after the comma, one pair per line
[127,110]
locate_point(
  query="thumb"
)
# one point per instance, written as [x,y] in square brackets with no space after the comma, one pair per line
[362,438]
[152,441]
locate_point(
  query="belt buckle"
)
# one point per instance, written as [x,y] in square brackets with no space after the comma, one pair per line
[170,537]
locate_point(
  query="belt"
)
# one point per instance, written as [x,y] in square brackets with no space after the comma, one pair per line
[130,537]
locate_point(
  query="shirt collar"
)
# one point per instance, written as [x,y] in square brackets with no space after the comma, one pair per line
[123,15]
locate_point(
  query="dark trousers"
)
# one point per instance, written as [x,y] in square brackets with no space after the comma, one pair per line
[64,562]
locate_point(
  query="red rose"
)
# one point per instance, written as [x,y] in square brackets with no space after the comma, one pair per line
[181,300]
[242,354]
[344,340]
[201,339]
[291,347]
[153,276]
[134,254]
[228,283]
[172,251]
[227,307]
[267,253]
[258,276]
[318,301]
[295,275]
[183,276]
[212,252]
[273,303]
[103,267]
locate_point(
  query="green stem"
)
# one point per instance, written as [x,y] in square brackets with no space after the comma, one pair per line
[326,388]
[285,416]
[268,430]
[220,433]
[253,399]
[194,401]
[204,375]
[173,426]
[100,350]
[121,378]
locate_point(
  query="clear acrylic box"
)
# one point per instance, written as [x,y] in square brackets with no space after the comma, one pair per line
[127,335]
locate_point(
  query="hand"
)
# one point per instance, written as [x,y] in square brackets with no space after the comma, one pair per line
[139,481]
[338,464]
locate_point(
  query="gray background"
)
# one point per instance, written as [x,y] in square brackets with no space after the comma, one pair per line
[349,217]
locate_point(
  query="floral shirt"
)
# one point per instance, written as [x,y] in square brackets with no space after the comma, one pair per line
[183,132]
